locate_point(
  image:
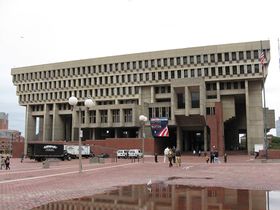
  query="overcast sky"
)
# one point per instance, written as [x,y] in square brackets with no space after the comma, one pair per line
[43,31]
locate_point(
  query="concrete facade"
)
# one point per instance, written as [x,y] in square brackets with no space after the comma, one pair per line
[278,127]
[210,95]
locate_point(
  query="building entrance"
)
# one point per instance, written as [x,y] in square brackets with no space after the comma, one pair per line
[193,140]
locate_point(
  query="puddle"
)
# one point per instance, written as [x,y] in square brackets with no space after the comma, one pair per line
[160,196]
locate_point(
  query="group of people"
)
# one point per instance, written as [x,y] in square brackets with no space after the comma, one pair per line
[173,155]
[5,163]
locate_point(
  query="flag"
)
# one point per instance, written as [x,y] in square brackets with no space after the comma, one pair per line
[262,58]
[159,127]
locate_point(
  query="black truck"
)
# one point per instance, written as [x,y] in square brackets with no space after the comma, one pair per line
[42,151]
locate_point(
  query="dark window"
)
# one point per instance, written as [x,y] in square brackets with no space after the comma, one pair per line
[165,61]
[172,75]
[227,70]
[213,72]
[208,86]
[242,85]
[159,62]
[220,70]
[257,68]
[205,71]
[219,57]
[222,86]
[166,75]
[228,85]
[233,56]
[178,61]
[134,64]
[248,54]
[140,64]
[241,69]
[234,70]
[146,64]
[191,59]
[192,73]
[159,75]
[205,58]
[199,72]
[153,63]
[212,57]
[179,74]
[256,54]
[249,69]
[241,55]
[171,61]
[198,59]
[226,56]
[185,73]
[195,99]
[185,60]
[180,101]
[235,85]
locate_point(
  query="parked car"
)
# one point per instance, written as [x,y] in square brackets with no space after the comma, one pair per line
[135,153]
[122,153]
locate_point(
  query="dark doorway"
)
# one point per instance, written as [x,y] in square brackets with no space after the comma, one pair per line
[193,140]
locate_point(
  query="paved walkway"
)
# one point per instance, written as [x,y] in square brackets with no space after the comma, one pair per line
[28,184]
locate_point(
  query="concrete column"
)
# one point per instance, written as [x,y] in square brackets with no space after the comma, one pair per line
[187,101]
[30,127]
[75,115]
[41,128]
[205,138]
[152,94]
[57,126]
[202,99]
[110,118]
[254,114]
[86,116]
[173,104]
[121,117]
[218,91]
[179,138]
[46,124]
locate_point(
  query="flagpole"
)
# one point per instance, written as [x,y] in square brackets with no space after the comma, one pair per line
[264,101]
[279,53]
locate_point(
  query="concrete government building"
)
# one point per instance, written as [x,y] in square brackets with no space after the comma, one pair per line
[211,95]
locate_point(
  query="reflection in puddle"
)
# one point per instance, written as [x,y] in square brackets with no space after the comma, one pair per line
[160,196]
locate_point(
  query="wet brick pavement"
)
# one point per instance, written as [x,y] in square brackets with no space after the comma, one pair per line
[28,184]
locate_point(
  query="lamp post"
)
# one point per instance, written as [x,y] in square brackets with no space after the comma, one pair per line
[73,101]
[143,119]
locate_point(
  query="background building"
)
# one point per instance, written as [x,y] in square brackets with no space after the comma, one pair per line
[209,94]
[4,122]
[278,127]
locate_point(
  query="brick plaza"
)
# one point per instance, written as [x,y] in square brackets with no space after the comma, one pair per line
[28,184]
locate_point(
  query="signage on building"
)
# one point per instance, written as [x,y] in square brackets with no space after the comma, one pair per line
[159,127]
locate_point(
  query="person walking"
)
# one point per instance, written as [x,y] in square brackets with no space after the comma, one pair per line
[173,154]
[22,158]
[7,162]
[2,162]
[170,157]
[165,154]
[178,157]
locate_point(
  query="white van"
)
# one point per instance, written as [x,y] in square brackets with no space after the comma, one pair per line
[122,153]
[135,153]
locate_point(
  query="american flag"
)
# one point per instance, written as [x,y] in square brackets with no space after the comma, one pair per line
[159,127]
[262,58]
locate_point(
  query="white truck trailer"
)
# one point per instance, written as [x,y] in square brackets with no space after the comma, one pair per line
[73,151]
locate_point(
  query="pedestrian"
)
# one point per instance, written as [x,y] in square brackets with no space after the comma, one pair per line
[170,157]
[207,158]
[22,158]
[225,157]
[7,162]
[156,160]
[165,154]
[2,162]
[194,152]
[173,154]
[199,153]
[178,157]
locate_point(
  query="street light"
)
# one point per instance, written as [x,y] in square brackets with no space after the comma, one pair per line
[143,119]
[73,101]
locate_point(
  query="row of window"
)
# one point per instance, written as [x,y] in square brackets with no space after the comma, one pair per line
[143,64]
[152,76]
[225,85]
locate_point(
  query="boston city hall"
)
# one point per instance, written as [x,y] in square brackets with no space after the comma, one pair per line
[211,96]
